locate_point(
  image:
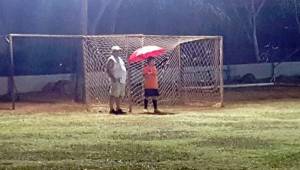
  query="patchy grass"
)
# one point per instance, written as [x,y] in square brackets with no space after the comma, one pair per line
[263,135]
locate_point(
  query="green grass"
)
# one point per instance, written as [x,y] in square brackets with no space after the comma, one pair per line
[262,135]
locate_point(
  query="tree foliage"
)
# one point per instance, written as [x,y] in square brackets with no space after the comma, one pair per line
[248,26]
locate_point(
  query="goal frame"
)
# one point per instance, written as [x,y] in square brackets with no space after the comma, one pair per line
[11,77]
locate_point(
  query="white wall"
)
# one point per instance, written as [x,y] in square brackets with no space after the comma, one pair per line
[264,70]
[260,71]
[288,69]
[32,83]
[36,83]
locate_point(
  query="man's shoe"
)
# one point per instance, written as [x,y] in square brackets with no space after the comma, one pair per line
[112,111]
[120,112]
[156,111]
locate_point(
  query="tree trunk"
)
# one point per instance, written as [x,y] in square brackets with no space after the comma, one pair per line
[115,14]
[296,15]
[93,28]
[84,17]
[255,41]
[254,33]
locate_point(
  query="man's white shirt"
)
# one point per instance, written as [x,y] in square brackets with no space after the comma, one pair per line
[119,70]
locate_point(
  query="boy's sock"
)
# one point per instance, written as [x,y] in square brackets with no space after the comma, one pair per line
[145,104]
[154,104]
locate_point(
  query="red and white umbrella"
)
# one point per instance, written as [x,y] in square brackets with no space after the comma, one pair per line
[145,52]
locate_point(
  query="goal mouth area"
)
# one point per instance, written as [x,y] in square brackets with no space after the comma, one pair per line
[193,68]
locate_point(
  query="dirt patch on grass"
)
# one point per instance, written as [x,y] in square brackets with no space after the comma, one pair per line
[31,107]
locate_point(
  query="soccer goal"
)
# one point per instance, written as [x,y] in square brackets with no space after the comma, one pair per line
[189,72]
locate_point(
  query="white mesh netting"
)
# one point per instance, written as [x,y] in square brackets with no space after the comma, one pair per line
[189,72]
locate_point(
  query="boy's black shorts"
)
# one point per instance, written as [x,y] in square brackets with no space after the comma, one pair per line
[151,92]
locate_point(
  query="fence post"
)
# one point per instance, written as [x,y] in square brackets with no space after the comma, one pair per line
[12,91]
[221,71]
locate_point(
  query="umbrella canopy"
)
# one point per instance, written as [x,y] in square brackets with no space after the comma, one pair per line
[145,52]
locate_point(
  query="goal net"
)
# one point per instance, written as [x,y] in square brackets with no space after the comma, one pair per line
[189,72]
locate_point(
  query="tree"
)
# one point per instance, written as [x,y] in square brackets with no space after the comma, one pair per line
[98,17]
[246,13]
[256,6]
[291,8]
[296,6]
[84,17]
[112,7]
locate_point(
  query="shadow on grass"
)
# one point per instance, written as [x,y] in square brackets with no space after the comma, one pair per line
[283,160]
[235,142]
[158,114]
[156,135]
[7,108]
[112,155]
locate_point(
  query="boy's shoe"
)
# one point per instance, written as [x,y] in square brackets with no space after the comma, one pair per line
[156,111]
[120,112]
[146,111]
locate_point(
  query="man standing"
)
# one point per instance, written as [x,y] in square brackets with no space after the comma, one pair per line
[117,73]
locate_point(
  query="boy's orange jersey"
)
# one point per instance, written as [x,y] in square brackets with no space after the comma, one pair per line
[150,77]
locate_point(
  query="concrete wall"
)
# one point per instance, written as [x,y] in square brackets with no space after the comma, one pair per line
[3,85]
[36,83]
[263,70]
[32,83]
[259,70]
[288,69]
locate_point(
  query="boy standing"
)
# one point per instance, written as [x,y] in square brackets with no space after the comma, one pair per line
[150,84]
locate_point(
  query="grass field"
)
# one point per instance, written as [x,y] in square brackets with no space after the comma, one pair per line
[258,135]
